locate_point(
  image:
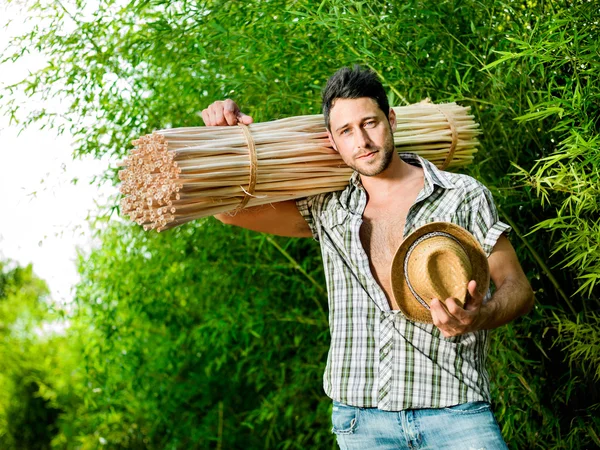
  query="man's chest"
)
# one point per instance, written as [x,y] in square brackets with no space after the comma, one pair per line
[381,233]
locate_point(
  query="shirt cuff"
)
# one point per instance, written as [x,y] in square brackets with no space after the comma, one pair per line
[492,236]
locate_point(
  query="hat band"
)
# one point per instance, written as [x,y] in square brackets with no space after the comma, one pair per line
[407,257]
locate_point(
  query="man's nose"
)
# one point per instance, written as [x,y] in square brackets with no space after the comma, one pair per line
[362,139]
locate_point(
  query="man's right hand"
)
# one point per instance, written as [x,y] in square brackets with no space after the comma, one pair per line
[224,113]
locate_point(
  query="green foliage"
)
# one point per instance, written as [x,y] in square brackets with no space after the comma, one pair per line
[581,342]
[203,338]
[28,416]
[538,403]
[212,338]
[562,59]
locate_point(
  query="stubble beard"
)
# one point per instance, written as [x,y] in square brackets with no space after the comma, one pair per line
[386,153]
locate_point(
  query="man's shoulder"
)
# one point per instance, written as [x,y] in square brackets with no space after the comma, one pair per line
[325,201]
[315,205]
[453,180]
[461,190]
[462,180]
[465,184]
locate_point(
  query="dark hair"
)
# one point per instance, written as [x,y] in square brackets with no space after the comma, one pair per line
[353,83]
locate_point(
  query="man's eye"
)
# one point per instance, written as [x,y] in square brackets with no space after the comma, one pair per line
[370,123]
[345,131]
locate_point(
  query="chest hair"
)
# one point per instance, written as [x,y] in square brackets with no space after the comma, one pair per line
[381,235]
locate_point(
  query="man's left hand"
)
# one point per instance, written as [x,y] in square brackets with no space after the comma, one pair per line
[451,319]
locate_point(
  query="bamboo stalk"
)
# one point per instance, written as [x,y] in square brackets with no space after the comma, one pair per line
[176,175]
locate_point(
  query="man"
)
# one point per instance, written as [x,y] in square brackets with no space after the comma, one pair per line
[395,383]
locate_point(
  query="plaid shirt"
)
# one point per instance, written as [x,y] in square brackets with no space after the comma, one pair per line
[377,357]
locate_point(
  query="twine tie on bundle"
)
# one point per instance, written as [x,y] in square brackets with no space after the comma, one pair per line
[454,132]
[253,164]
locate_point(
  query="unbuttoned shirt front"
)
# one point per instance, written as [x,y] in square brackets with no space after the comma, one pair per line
[377,357]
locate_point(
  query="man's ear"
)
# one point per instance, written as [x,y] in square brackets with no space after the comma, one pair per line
[331,141]
[392,118]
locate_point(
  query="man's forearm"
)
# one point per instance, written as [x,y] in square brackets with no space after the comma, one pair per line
[511,300]
[281,219]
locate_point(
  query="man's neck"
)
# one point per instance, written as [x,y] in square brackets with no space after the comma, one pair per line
[391,181]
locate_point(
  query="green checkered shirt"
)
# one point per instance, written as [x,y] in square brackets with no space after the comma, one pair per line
[377,357]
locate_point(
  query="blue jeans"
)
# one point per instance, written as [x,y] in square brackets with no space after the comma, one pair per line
[468,426]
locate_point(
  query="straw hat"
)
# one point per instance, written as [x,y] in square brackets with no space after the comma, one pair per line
[436,260]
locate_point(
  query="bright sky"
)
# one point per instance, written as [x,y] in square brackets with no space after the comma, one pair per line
[43,216]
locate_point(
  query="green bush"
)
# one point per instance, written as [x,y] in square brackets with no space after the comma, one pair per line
[204,338]
[30,382]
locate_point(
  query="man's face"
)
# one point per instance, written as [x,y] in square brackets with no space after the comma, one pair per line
[362,134]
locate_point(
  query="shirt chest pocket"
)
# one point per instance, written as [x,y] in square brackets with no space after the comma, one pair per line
[335,230]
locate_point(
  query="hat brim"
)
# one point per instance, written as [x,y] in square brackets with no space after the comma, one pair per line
[406,301]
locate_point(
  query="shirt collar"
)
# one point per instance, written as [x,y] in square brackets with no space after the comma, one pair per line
[433,175]
[351,196]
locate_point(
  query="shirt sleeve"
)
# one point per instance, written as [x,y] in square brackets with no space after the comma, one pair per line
[309,207]
[486,226]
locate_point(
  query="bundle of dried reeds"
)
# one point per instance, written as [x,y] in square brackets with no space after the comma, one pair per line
[177,175]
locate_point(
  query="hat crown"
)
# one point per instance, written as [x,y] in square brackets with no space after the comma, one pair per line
[439,267]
